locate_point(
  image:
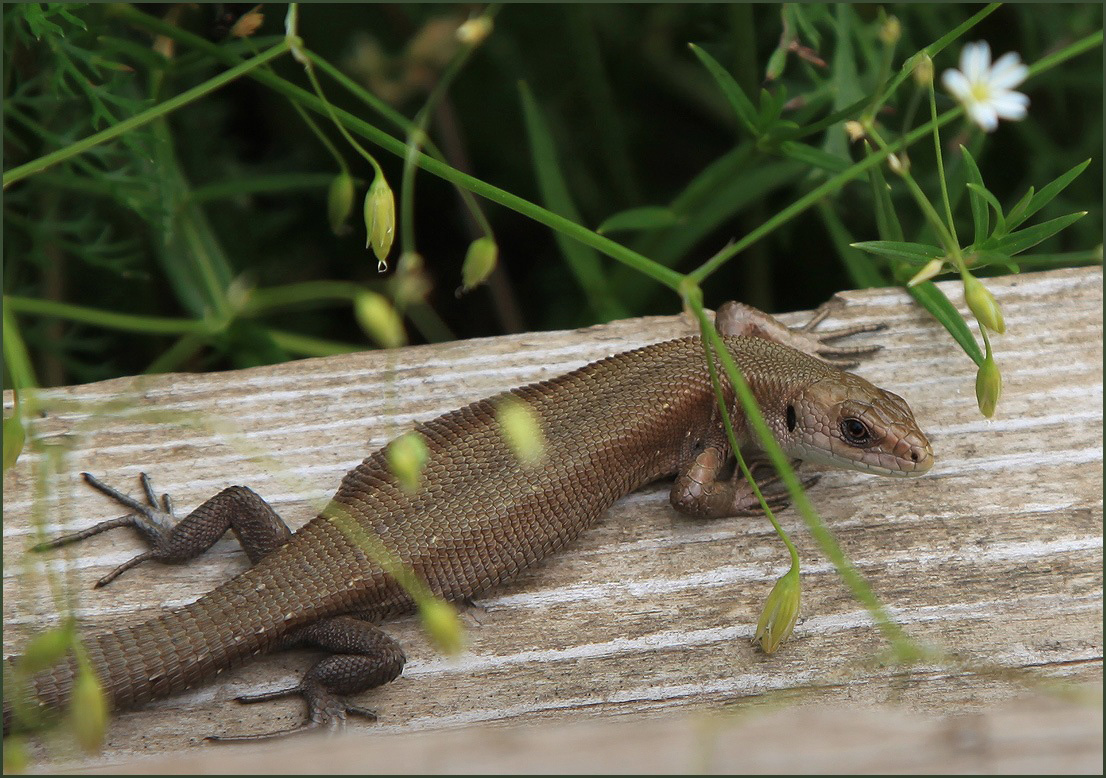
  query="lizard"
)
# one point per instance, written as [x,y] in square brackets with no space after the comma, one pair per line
[480,516]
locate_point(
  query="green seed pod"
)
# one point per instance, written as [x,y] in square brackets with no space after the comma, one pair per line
[407,457]
[780,613]
[380,219]
[988,386]
[983,304]
[480,261]
[440,621]
[521,430]
[339,201]
[379,319]
[88,709]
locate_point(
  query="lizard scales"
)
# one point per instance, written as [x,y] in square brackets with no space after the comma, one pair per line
[478,517]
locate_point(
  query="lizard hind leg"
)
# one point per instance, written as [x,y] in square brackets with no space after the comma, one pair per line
[258,527]
[363,657]
[735,318]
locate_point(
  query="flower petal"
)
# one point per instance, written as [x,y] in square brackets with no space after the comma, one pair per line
[983,115]
[1008,71]
[1010,105]
[957,84]
[975,60]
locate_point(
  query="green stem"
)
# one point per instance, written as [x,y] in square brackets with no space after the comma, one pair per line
[731,436]
[16,358]
[948,239]
[150,325]
[853,579]
[307,346]
[659,273]
[814,195]
[941,167]
[172,104]
[405,124]
[263,301]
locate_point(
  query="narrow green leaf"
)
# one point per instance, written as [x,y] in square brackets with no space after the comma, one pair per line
[1064,259]
[734,94]
[933,300]
[812,156]
[1016,215]
[861,268]
[980,217]
[915,253]
[1050,190]
[887,221]
[769,110]
[985,258]
[985,193]
[647,217]
[583,261]
[1021,240]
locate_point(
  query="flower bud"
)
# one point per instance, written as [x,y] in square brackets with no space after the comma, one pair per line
[521,430]
[900,165]
[855,130]
[380,219]
[931,269]
[248,23]
[780,613]
[410,284]
[88,710]
[983,304]
[339,201]
[440,621]
[407,457]
[923,70]
[890,31]
[474,31]
[379,319]
[479,262]
[988,386]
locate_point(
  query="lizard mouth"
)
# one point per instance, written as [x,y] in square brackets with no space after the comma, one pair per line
[908,458]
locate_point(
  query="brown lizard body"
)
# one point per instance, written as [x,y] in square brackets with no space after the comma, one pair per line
[479,515]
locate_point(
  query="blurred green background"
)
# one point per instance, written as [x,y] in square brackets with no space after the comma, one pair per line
[239,180]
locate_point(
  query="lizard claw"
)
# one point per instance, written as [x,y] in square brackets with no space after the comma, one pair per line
[326,711]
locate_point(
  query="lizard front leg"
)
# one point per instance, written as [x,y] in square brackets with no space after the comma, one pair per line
[700,491]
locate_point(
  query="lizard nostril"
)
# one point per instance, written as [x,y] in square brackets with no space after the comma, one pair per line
[913,456]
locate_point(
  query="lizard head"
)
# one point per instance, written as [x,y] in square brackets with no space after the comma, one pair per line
[844,421]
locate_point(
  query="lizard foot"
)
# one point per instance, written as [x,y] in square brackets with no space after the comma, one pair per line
[326,711]
[258,527]
[735,318]
[771,486]
[153,519]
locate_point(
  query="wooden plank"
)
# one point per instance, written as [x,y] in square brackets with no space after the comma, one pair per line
[1036,735]
[996,555]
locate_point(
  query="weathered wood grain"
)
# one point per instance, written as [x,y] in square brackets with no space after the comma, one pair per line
[995,556]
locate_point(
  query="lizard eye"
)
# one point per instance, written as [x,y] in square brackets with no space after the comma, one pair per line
[855,432]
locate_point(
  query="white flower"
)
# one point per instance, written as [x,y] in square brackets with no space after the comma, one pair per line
[986,91]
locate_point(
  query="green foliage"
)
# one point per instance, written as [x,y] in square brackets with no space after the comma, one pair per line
[672,148]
